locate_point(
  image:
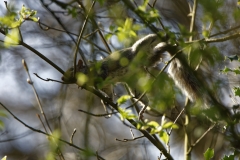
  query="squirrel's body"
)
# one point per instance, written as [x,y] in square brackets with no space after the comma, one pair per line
[116,66]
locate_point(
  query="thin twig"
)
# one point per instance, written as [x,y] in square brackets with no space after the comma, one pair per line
[134,102]
[199,139]
[71,139]
[105,109]
[126,140]
[62,25]
[98,115]
[158,144]
[192,25]
[71,33]
[226,31]
[49,79]
[99,30]
[36,95]
[80,37]
[37,53]
[212,40]
[42,122]
[193,14]
[39,131]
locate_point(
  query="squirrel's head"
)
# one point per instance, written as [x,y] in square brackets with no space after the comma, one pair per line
[69,77]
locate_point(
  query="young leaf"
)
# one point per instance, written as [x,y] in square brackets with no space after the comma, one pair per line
[170,125]
[164,136]
[153,124]
[12,38]
[123,99]
[236,71]
[209,154]
[126,114]
[236,91]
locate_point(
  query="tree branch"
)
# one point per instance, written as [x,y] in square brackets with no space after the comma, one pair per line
[39,131]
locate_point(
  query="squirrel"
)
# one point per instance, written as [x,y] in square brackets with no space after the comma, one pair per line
[147,51]
[115,67]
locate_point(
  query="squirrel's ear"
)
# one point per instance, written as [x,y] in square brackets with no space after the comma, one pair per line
[80,63]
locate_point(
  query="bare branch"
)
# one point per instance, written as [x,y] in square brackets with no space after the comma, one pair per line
[71,139]
[199,139]
[126,140]
[39,131]
[98,115]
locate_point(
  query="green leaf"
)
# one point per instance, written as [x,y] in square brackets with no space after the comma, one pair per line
[226,70]
[123,99]
[170,125]
[126,114]
[27,14]
[151,15]
[237,91]
[108,36]
[205,33]
[153,124]
[209,154]
[236,71]
[12,38]
[164,136]
[127,32]
[81,78]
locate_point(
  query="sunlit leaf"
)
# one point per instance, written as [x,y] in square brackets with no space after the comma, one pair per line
[126,114]
[4,158]
[205,33]
[209,154]
[12,38]
[170,125]
[123,99]
[81,78]
[153,124]
[164,136]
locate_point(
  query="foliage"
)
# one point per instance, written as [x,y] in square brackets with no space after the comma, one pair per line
[209,154]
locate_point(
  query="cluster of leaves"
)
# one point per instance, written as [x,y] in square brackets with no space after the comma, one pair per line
[126,31]
[11,22]
[211,14]
[209,154]
[156,128]
[153,126]
[227,70]
[14,19]
[150,15]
